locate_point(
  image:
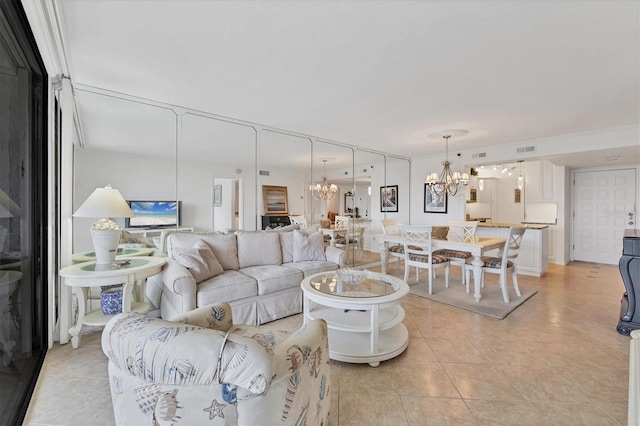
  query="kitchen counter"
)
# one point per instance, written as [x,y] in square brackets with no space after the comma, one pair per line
[509,225]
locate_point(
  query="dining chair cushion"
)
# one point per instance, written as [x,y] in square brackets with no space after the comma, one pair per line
[424,258]
[199,260]
[340,239]
[399,248]
[495,262]
[308,247]
[453,253]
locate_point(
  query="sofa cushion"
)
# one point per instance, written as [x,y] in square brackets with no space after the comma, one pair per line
[258,248]
[226,287]
[309,230]
[223,246]
[309,247]
[286,243]
[286,228]
[199,260]
[272,278]
[312,266]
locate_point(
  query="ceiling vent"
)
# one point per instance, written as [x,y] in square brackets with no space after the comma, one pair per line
[264,173]
[524,149]
[479,155]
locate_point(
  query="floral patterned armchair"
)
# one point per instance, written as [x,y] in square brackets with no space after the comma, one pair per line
[201,369]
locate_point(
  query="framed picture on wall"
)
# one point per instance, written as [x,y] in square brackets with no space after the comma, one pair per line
[274,199]
[434,203]
[389,198]
[217,195]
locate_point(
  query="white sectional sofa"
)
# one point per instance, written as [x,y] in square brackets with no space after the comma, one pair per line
[257,273]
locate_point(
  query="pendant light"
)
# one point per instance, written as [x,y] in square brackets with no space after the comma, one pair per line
[520,179]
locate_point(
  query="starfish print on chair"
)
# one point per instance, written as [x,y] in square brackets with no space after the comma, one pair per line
[215,410]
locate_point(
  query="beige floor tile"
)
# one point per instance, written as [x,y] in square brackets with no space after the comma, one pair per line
[436,411]
[417,351]
[508,413]
[364,408]
[481,381]
[422,379]
[457,349]
[356,377]
[545,384]
[573,414]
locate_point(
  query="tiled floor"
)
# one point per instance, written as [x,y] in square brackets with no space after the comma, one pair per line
[556,359]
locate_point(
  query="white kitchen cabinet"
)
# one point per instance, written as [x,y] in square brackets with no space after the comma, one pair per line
[539,181]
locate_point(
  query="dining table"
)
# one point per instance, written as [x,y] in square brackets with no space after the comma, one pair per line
[334,232]
[478,246]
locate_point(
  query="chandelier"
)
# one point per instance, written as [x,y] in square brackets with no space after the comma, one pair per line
[323,190]
[448,182]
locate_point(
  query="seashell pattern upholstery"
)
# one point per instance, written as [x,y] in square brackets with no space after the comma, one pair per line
[202,369]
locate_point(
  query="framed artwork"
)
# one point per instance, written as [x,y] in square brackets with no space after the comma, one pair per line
[274,199]
[217,195]
[389,198]
[473,195]
[516,198]
[434,203]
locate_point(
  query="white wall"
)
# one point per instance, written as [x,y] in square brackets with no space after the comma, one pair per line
[508,211]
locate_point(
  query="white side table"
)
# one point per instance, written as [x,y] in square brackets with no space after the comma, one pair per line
[88,256]
[364,321]
[83,276]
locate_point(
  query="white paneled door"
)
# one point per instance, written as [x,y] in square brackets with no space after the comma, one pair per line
[604,203]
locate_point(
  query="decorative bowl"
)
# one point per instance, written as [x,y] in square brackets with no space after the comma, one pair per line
[352,276]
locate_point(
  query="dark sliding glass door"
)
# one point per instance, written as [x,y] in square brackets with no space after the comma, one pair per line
[23,201]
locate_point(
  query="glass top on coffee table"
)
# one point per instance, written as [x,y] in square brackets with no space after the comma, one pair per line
[374,285]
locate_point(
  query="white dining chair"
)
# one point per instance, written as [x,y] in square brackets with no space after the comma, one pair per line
[460,231]
[353,237]
[299,220]
[502,265]
[389,226]
[419,237]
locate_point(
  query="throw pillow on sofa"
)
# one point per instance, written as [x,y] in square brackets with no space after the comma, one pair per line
[199,260]
[308,247]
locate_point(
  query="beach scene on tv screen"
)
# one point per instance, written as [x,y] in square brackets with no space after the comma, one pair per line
[155,213]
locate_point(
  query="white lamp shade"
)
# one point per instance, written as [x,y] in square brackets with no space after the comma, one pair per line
[104,202]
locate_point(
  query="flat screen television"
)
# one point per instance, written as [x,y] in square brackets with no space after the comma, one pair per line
[154,214]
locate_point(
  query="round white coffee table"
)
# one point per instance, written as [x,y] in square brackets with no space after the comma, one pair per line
[364,320]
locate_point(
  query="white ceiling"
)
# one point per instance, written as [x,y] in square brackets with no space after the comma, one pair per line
[381,74]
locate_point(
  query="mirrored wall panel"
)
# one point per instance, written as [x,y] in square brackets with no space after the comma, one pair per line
[216,162]
[284,174]
[129,145]
[369,178]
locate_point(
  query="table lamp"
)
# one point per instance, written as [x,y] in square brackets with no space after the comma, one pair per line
[106,203]
[7,209]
